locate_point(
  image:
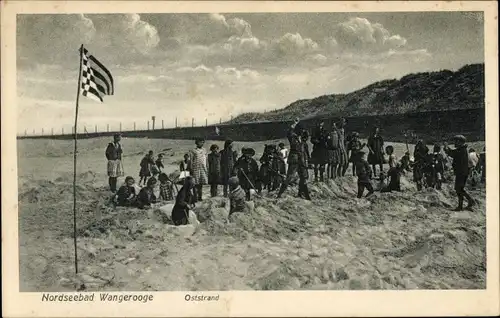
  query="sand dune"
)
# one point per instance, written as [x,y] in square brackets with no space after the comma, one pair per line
[408,240]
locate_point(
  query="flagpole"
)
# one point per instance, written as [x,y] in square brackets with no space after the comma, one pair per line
[74,158]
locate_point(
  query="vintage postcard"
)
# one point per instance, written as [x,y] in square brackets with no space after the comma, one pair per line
[249,158]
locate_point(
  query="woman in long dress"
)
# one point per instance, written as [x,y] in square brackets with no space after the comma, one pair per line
[376,148]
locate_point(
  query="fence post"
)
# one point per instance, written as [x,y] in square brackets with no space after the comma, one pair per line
[134,125]
[162,124]
[120,126]
[192,122]
[107,127]
[26,132]
[175,122]
[206,122]
[62,131]
[95,129]
[148,124]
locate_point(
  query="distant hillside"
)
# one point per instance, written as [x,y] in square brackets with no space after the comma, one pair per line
[442,90]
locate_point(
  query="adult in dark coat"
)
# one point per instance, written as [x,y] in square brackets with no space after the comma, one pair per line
[184,202]
[319,154]
[214,175]
[376,148]
[297,161]
[114,153]
[460,165]
[228,158]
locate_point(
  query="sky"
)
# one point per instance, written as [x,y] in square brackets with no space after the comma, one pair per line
[214,66]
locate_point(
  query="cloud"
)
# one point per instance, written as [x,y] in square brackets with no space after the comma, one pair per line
[295,45]
[359,33]
[49,38]
[125,33]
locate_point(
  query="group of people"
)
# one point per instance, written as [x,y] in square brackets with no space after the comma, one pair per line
[280,167]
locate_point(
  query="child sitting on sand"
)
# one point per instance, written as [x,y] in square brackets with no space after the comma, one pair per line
[166,188]
[126,194]
[237,196]
[146,196]
[364,174]
[184,202]
[146,163]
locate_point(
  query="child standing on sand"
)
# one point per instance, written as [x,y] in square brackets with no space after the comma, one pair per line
[146,163]
[364,174]
[158,166]
[214,174]
[199,170]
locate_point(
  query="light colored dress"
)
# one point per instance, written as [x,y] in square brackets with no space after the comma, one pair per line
[199,170]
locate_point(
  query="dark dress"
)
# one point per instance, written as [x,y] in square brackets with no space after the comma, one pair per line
[376,144]
[180,212]
[123,196]
[145,165]
[319,155]
[214,168]
[228,158]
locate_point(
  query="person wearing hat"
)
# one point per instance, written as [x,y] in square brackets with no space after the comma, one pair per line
[364,174]
[184,202]
[353,148]
[460,166]
[247,171]
[297,161]
[114,153]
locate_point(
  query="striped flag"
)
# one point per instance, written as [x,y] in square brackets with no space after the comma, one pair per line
[96,78]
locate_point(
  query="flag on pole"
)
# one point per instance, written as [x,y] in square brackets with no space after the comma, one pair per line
[96,78]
